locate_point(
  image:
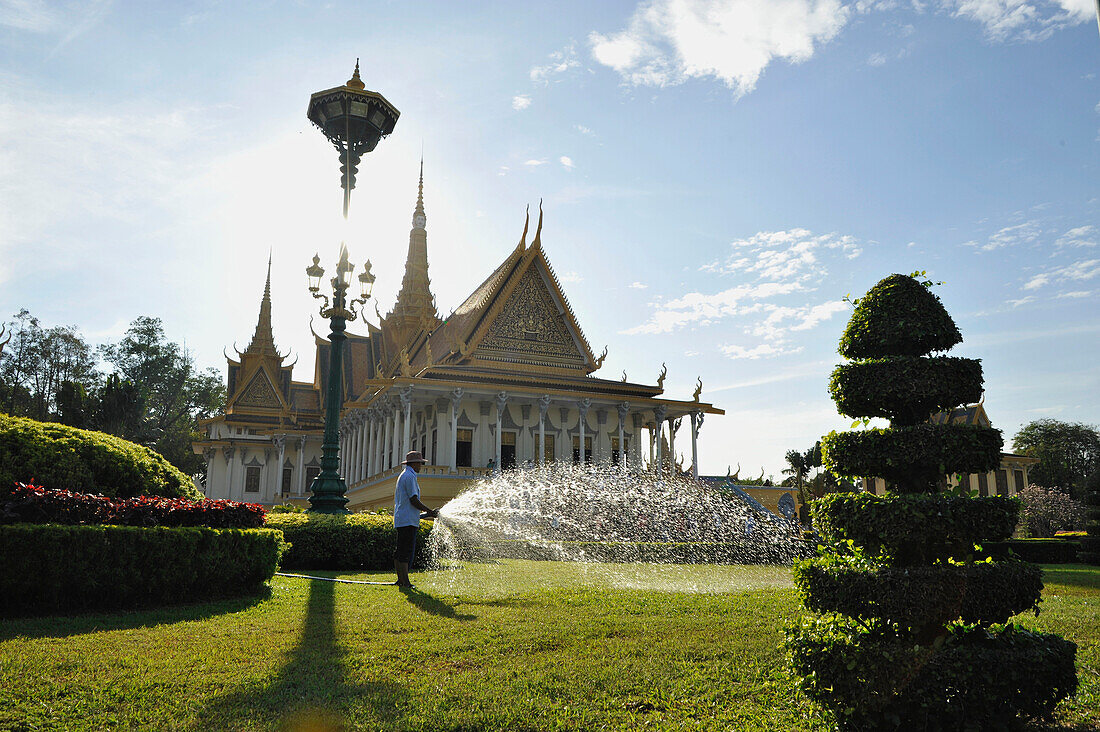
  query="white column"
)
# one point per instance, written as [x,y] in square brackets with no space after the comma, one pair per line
[696,423]
[623,409]
[406,403]
[659,419]
[456,404]
[372,443]
[502,402]
[364,445]
[673,425]
[229,452]
[395,441]
[301,465]
[544,404]
[582,409]
[280,444]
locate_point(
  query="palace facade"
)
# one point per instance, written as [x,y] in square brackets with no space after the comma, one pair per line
[505,380]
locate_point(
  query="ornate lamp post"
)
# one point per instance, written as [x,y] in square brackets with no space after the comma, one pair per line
[354,120]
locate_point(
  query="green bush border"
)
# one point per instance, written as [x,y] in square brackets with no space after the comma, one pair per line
[355,541]
[51,568]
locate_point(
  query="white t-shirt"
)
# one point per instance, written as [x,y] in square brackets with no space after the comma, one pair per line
[404,513]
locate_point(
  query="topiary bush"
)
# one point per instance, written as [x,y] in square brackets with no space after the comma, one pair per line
[83,461]
[50,568]
[910,597]
[333,541]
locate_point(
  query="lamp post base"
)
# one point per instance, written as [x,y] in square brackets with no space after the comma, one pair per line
[328,494]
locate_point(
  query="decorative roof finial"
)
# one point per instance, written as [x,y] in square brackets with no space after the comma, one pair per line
[538,231]
[355,82]
[263,341]
[526,223]
[420,198]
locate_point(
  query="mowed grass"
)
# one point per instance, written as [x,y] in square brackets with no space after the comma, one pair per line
[510,646]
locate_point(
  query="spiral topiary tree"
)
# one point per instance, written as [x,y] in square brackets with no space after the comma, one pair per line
[913,630]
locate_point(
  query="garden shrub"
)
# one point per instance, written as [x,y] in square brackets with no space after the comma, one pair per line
[83,461]
[334,541]
[1040,551]
[920,597]
[975,678]
[33,504]
[49,568]
[909,634]
[1090,545]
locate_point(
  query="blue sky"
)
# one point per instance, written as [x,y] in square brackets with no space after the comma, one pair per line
[716,176]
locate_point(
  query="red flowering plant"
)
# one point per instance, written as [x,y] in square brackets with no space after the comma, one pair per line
[34,504]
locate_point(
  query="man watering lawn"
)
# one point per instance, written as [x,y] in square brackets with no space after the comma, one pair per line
[406,516]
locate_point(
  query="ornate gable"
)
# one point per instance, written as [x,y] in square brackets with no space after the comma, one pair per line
[259,393]
[531,327]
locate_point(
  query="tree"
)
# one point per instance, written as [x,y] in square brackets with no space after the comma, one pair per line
[1049,510]
[173,393]
[1068,452]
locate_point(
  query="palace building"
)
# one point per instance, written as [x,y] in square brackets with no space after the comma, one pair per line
[505,380]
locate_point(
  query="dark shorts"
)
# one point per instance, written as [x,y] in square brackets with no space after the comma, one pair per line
[406,543]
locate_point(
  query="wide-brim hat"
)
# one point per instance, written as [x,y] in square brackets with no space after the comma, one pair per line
[413,457]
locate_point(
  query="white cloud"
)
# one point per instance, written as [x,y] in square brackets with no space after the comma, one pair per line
[29,15]
[876,59]
[1085,269]
[521,102]
[583,130]
[637,286]
[1022,301]
[566,162]
[570,277]
[1075,294]
[1024,233]
[1028,20]
[1081,236]
[784,255]
[764,349]
[670,41]
[560,63]
[533,163]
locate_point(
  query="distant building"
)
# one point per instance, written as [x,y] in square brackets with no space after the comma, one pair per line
[505,379]
[1008,479]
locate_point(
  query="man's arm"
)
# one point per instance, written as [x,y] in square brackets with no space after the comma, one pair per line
[415,501]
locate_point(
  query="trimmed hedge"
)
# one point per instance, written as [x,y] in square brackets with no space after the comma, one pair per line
[915,529]
[49,568]
[905,389]
[898,317]
[913,455]
[919,597]
[646,551]
[355,541]
[976,679]
[36,505]
[84,461]
[1040,551]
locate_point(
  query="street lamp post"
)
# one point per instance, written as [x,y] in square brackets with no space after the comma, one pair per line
[353,119]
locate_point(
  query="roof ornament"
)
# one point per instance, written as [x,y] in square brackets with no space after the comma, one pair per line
[526,223]
[600,360]
[406,367]
[737,475]
[661,378]
[355,82]
[538,231]
[761,478]
[378,372]
[624,376]
[698,388]
[428,353]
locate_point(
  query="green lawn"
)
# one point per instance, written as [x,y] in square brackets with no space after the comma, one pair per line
[517,646]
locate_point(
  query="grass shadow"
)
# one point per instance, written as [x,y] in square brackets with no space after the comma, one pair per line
[311,691]
[1085,576]
[433,605]
[63,626]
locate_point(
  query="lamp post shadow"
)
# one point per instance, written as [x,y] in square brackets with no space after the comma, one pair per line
[310,692]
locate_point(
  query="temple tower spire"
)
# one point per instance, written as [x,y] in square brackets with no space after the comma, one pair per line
[415,304]
[263,340]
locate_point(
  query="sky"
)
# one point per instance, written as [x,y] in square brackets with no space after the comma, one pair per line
[716,176]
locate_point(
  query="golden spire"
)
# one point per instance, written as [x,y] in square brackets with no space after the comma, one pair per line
[415,304]
[355,82]
[263,341]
